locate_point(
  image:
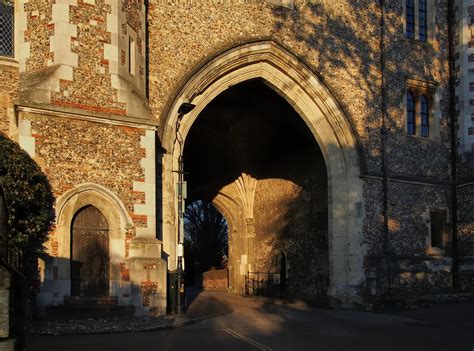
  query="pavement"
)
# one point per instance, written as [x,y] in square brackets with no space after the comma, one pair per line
[102,322]
[241,323]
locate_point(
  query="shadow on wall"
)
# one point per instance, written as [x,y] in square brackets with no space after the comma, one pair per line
[110,293]
[347,39]
[347,45]
[347,53]
[296,229]
[343,45]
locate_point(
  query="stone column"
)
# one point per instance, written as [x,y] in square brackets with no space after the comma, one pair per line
[169,208]
[147,268]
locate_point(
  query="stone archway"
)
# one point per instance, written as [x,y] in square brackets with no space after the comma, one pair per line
[314,103]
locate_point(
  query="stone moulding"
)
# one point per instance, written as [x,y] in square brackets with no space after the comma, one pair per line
[107,203]
[313,101]
[54,287]
[126,221]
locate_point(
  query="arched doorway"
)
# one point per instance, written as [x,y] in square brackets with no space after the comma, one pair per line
[316,106]
[89,253]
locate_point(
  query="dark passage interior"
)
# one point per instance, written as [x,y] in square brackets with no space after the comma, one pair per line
[205,241]
[253,156]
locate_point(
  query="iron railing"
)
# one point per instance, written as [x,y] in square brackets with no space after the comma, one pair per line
[265,284]
[7,34]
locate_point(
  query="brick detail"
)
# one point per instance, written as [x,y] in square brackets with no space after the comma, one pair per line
[148,288]
[125,272]
[146,186]
[88,107]
[54,248]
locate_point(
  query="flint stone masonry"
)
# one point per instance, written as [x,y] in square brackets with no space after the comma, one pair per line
[84,41]
[314,32]
[466,240]
[102,157]
[465,34]
[103,130]
[8,93]
[306,33]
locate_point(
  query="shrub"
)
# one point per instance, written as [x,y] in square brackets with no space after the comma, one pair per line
[29,196]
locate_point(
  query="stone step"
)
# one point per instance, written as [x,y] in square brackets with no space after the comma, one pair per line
[91,301]
[72,312]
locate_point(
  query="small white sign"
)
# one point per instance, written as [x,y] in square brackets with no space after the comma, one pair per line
[243,259]
[243,271]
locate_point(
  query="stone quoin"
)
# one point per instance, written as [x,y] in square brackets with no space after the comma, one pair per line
[322,131]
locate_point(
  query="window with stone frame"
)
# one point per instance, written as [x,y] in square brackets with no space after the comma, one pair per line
[438,226]
[418,19]
[7,33]
[422,20]
[421,109]
[410,18]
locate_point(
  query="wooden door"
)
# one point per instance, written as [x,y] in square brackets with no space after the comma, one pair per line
[90,253]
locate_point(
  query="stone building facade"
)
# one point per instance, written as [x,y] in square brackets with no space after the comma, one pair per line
[92,92]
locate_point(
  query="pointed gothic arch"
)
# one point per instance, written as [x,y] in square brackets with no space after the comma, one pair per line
[69,204]
[313,101]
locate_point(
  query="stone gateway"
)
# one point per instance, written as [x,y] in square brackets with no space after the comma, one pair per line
[332,135]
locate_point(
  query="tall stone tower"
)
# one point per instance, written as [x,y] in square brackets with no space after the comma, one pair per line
[321,131]
[464,41]
[464,82]
[82,114]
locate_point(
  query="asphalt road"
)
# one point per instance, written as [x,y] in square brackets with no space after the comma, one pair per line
[259,325]
[177,339]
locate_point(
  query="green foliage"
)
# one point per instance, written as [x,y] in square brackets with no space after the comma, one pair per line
[29,196]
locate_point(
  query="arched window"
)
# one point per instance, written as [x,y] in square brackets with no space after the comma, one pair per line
[411,122]
[425,116]
[422,20]
[410,18]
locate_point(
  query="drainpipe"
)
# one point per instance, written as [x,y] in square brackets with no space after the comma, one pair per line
[383,131]
[454,151]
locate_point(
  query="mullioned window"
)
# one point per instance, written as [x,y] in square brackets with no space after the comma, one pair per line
[7,38]
[418,19]
[421,110]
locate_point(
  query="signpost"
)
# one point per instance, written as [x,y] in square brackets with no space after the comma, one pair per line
[180,301]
